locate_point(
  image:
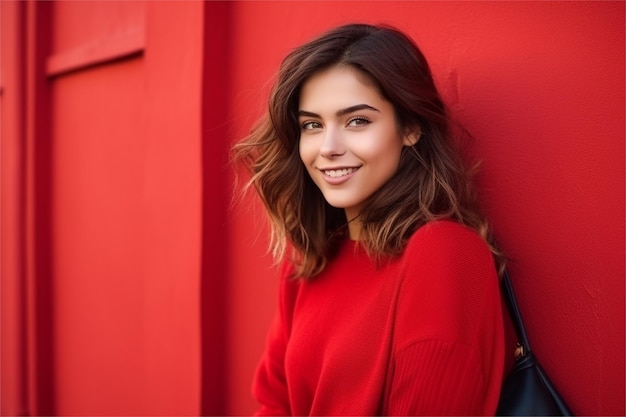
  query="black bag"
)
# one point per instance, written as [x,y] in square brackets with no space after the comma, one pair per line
[526,391]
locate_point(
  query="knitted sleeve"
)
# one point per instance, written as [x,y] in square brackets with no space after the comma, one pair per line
[435,377]
[270,384]
[449,339]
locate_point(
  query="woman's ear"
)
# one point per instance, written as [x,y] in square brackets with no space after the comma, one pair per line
[412,136]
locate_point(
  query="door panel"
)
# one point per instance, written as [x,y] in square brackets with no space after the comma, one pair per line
[126,209]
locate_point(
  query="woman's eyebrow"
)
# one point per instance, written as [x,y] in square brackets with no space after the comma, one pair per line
[352,109]
[340,112]
[305,113]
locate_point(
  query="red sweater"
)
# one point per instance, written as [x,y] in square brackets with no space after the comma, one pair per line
[420,334]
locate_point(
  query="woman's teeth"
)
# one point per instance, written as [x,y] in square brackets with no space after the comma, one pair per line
[334,173]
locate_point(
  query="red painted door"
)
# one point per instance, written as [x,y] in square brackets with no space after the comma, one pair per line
[125,206]
[112,179]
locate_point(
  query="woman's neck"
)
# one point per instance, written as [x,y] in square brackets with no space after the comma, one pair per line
[354,225]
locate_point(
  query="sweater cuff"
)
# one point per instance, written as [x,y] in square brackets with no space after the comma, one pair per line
[435,377]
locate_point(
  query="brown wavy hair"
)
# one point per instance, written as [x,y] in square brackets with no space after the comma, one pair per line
[432,182]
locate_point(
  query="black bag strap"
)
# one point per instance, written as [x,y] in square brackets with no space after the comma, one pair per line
[516,315]
[527,360]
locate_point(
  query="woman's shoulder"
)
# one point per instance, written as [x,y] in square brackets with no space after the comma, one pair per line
[445,232]
[447,241]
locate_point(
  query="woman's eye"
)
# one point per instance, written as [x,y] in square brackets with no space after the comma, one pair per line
[311,125]
[358,121]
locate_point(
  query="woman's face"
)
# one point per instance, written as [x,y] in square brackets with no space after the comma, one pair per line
[349,139]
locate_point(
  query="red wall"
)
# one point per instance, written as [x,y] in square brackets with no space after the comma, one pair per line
[12,367]
[129,287]
[541,87]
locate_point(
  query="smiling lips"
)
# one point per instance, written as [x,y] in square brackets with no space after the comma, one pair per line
[339,175]
[338,172]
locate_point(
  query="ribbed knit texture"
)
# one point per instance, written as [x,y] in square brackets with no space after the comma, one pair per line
[446,375]
[418,335]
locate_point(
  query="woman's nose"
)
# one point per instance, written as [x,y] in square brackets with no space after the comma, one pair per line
[332,144]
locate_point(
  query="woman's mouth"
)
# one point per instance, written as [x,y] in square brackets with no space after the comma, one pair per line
[338,176]
[336,173]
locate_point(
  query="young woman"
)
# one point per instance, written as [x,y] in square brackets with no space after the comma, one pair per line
[389,299]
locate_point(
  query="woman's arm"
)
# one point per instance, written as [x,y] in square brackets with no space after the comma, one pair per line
[449,337]
[270,384]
